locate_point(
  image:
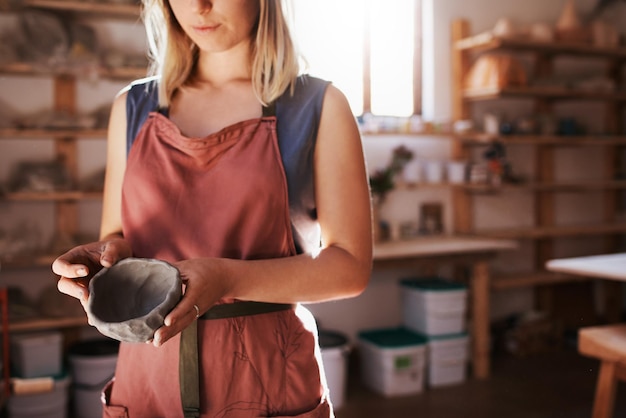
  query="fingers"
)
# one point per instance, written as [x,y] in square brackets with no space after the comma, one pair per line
[64,268]
[89,258]
[75,288]
[110,254]
[181,316]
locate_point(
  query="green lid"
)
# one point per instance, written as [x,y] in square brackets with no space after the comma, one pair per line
[432,284]
[392,337]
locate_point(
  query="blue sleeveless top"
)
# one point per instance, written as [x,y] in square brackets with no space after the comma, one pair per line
[297,121]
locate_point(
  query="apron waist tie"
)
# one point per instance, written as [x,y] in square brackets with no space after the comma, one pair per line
[231,310]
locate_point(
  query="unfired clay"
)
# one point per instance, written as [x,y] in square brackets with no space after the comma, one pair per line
[130,300]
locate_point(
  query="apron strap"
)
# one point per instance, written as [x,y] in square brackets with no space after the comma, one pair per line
[188,371]
[269,110]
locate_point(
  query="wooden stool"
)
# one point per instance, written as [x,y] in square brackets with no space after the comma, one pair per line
[608,344]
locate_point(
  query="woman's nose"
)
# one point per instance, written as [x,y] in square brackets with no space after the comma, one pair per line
[201,6]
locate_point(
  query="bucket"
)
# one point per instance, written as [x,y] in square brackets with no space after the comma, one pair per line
[335,349]
[92,365]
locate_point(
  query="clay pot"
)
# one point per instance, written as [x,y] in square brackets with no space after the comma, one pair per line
[569,19]
[504,28]
[541,32]
[569,27]
[129,301]
[604,34]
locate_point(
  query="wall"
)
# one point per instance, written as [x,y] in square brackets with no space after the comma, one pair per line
[379,304]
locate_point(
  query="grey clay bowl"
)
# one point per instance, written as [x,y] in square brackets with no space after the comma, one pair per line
[129,300]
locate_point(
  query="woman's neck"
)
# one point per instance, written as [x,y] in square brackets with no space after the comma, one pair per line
[220,68]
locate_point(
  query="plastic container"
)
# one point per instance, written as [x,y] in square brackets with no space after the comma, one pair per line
[36,354]
[52,404]
[433,306]
[92,364]
[392,361]
[447,359]
[335,349]
[434,171]
[457,172]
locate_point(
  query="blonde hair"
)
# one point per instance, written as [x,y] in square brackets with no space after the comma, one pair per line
[275,61]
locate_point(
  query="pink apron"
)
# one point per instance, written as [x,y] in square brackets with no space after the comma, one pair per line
[220,196]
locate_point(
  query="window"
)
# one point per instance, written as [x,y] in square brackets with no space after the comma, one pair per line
[370,49]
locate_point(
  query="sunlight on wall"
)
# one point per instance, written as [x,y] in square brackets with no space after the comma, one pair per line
[331,36]
[391,40]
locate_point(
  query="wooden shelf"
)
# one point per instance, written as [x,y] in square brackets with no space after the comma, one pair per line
[484,139]
[124,73]
[26,261]
[81,6]
[27,69]
[533,232]
[557,140]
[544,161]
[531,279]
[574,186]
[487,41]
[534,92]
[65,82]
[72,195]
[12,133]
[423,185]
[41,324]
[438,135]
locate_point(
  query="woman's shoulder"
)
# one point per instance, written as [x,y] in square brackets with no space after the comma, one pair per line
[305,92]
[143,89]
[306,84]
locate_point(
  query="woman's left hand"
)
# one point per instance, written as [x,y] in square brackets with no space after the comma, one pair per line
[203,287]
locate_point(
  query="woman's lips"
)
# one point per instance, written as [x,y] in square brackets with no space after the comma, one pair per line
[205,28]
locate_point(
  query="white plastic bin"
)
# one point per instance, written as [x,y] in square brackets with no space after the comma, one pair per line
[52,404]
[434,306]
[335,349]
[36,354]
[457,172]
[92,364]
[392,361]
[447,359]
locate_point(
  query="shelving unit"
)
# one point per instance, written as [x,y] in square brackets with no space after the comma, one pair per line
[65,85]
[109,9]
[544,186]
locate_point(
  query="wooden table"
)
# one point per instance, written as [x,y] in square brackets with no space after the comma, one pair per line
[606,266]
[611,267]
[474,252]
[605,342]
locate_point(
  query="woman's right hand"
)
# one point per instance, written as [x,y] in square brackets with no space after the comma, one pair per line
[77,266]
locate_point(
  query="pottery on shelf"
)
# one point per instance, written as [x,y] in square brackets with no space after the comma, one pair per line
[604,34]
[569,18]
[129,301]
[504,28]
[541,32]
[569,27]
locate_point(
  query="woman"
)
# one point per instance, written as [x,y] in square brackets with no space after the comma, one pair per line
[248,178]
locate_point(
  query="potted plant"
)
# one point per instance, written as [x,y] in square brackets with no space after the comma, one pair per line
[382,181]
